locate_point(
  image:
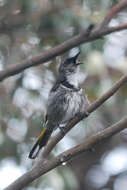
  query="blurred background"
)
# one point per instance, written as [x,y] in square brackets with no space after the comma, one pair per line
[28,28]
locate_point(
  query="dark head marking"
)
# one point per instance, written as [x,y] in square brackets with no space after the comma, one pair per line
[70,64]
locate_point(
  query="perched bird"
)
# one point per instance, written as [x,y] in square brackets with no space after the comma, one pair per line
[66,99]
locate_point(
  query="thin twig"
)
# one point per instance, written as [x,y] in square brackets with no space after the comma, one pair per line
[112,13]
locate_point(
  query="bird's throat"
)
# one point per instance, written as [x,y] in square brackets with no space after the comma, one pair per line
[73,80]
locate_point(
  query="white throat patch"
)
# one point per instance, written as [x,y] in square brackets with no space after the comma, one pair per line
[73,79]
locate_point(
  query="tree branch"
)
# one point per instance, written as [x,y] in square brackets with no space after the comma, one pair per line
[47,166]
[54,140]
[112,13]
[83,37]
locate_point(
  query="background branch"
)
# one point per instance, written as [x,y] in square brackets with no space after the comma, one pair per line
[112,13]
[84,37]
[46,166]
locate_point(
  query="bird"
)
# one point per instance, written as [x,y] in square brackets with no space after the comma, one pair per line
[66,99]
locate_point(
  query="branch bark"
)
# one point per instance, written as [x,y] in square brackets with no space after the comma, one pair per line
[46,166]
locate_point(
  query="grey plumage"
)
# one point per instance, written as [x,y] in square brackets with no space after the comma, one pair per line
[64,104]
[66,99]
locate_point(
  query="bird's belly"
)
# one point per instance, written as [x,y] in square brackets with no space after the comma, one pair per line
[75,103]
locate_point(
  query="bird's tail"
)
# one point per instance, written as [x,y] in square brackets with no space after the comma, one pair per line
[41,141]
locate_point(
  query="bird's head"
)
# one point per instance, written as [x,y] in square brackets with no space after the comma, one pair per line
[70,65]
[68,70]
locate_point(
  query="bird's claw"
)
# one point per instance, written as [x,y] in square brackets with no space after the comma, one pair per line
[86,113]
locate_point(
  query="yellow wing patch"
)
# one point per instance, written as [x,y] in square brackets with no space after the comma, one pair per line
[42,133]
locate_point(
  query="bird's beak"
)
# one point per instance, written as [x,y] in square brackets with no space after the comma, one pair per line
[79,63]
[75,58]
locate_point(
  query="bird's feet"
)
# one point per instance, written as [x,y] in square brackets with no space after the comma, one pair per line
[82,114]
[86,113]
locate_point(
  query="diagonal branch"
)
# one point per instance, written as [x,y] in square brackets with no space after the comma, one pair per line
[77,40]
[112,13]
[54,140]
[47,166]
